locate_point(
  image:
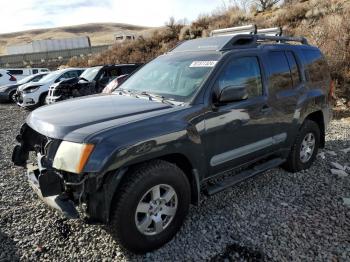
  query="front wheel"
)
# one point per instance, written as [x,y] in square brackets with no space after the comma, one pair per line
[304,150]
[150,206]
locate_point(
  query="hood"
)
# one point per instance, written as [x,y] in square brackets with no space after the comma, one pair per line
[24,86]
[75,119]
[70,81]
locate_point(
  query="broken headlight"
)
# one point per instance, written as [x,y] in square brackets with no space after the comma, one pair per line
[72,157]
[31,89]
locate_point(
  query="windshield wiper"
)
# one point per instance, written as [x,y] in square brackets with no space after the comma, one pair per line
[157,97]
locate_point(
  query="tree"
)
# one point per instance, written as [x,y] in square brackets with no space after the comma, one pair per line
[266,4]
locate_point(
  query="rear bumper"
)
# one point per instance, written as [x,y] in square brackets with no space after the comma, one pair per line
[58,202]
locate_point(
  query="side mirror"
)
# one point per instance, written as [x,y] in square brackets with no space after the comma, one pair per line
[231,94]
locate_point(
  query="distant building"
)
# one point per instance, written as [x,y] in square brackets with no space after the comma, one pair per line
[48,45]
[124,36]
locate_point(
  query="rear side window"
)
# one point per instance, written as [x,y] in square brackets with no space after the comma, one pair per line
[280,78]
[15,72]
[293,68]
[243,71]
[35,71]
[316,65]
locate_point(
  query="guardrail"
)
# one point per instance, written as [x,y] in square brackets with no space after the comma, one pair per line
[51,59]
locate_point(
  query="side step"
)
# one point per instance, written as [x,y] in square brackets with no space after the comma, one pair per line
[235,179]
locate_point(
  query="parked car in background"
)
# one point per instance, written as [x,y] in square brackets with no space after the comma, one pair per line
[114,84]
[34,94]
[207,115]
[21,73]
[92,81]
[6,78]
[7,91]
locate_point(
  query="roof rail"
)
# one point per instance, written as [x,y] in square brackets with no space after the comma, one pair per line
[282,39]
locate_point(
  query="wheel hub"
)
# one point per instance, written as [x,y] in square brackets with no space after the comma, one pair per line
[156,209]
[307,147]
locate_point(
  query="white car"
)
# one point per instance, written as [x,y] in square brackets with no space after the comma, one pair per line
[34,94]
[21,73]
[6,78]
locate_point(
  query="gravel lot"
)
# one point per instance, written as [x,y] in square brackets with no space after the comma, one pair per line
[275,216]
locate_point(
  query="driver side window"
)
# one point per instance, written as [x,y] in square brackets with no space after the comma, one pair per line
[243,71]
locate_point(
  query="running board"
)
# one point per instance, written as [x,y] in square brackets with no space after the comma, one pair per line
[232,180]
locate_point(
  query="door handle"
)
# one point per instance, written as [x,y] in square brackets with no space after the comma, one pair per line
[265,109]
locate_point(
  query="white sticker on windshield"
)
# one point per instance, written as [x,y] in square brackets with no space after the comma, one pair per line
[203,63]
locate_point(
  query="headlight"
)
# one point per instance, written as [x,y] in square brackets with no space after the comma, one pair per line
[72,157]
[55,85]
[31,89]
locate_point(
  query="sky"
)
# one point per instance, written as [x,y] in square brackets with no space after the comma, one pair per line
[19,15]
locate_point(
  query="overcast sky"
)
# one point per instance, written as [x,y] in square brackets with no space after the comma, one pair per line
[18,15]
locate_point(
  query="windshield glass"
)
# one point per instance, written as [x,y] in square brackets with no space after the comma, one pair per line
[90,73]
[50,77]
[176,76]
[25,80]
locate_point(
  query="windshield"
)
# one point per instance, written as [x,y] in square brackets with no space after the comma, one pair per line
[25,80]
[90,73]
[176,76]
[50,77]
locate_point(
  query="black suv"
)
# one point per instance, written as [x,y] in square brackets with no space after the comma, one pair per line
[92,81]
[135,159]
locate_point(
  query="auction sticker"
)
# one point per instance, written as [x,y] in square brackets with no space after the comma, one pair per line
[203,63]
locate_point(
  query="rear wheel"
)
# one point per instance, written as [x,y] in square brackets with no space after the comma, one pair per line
[305,148]
[150,206]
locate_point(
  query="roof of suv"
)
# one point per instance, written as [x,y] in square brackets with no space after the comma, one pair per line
[241,41]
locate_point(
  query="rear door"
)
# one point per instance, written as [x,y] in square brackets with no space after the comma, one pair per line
[285,88]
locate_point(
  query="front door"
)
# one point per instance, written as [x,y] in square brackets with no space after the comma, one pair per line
[239,132]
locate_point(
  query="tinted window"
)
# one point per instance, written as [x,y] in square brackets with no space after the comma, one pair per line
[316,65]
[15,72]
[244,71]
[127,70]
[294,69]
[113,72]
[35,71]
[280,78]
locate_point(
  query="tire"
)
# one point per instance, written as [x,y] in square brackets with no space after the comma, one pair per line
[11,94]
[125,219]
[42,99]
[297,160]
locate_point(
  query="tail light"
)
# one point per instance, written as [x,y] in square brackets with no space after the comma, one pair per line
[12,78]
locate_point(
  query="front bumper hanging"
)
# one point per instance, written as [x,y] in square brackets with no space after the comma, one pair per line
[59,202]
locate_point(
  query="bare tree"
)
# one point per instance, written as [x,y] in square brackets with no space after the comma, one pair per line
[266,4]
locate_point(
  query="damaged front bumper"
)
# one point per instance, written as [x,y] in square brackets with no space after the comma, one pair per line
[59,202]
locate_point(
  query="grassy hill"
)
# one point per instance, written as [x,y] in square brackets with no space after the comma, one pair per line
[99,33]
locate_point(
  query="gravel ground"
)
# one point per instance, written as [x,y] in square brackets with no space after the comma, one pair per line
[275,216]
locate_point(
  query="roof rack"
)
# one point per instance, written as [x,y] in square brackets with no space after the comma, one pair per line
[246,29]
[250,35]
[237,37]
